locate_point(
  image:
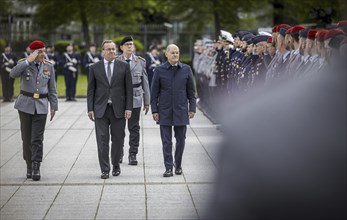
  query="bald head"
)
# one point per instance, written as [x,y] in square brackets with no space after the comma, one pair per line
[172,53]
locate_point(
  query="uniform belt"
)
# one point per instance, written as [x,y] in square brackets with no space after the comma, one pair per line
[137,85]
[34,95]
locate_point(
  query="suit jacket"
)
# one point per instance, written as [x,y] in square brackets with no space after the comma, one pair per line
[139,76]
[173,94]
[40,81]
[120,90]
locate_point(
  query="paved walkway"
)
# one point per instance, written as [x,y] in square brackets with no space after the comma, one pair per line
[71,188]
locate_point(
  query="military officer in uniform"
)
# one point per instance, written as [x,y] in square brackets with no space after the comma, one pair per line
[70,61]
[8,61]
[91,57]
[37,89]
[53,58]
[140,91]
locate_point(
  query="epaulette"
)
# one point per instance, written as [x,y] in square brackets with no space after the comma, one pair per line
[21,60]
[141,58]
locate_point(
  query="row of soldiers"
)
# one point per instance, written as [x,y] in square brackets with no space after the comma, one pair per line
[232,65]
[70,62]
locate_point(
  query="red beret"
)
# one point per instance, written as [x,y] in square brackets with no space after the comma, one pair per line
[296,29]
[284,25]
[321,34]
[311,34]
[289,30]
[269,40]
[36,44]
[332,33]
[342,23]
[274,29]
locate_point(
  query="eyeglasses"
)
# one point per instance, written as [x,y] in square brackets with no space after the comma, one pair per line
[110,49]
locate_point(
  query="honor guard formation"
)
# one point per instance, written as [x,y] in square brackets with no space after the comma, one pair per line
[232,65]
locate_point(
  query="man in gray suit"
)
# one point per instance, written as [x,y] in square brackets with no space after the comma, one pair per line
[110,102]
[140,91]
[37,88]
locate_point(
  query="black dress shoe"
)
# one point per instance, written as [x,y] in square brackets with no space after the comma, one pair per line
[168,173]
[29,170]
[116,171]
[178,171]
[132,159]
[104,175]
[36,171]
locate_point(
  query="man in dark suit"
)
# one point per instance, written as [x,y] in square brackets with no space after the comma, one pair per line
[110,102]
[173,103]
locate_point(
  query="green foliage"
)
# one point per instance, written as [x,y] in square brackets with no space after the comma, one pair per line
[2,44]
[138,44]
[60,46]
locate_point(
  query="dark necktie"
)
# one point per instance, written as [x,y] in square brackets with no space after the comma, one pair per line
[174,68]
[109,76]
[128,60]
[37,66]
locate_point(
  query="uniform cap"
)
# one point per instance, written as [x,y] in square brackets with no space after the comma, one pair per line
[332,33]
[260,38]
[247,37]
[283,31]
[126,39]
[303,33]
[289,31]
[296,29]
[36,44]
[241,33]
[274,29]
[154,47]
[311,34]
[278,27]
[321,34]
[225,35]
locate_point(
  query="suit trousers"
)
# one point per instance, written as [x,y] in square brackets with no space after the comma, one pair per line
[70,83]
[7,86]
[102,130]
[166,138]
[134,130]
[32,129]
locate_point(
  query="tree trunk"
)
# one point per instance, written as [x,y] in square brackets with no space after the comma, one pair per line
[85,25]
[217,25]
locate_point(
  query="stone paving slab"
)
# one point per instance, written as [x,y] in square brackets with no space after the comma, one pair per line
[71,188]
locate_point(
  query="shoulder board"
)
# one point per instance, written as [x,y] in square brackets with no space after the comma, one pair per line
[141,58]
[118,57]
[21,60]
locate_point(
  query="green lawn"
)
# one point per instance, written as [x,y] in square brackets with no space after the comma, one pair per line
[81,88]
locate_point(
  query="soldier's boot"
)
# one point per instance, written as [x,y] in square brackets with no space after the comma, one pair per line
[29,170]
[36,171]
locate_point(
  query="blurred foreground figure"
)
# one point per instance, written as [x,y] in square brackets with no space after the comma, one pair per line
[284,155]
